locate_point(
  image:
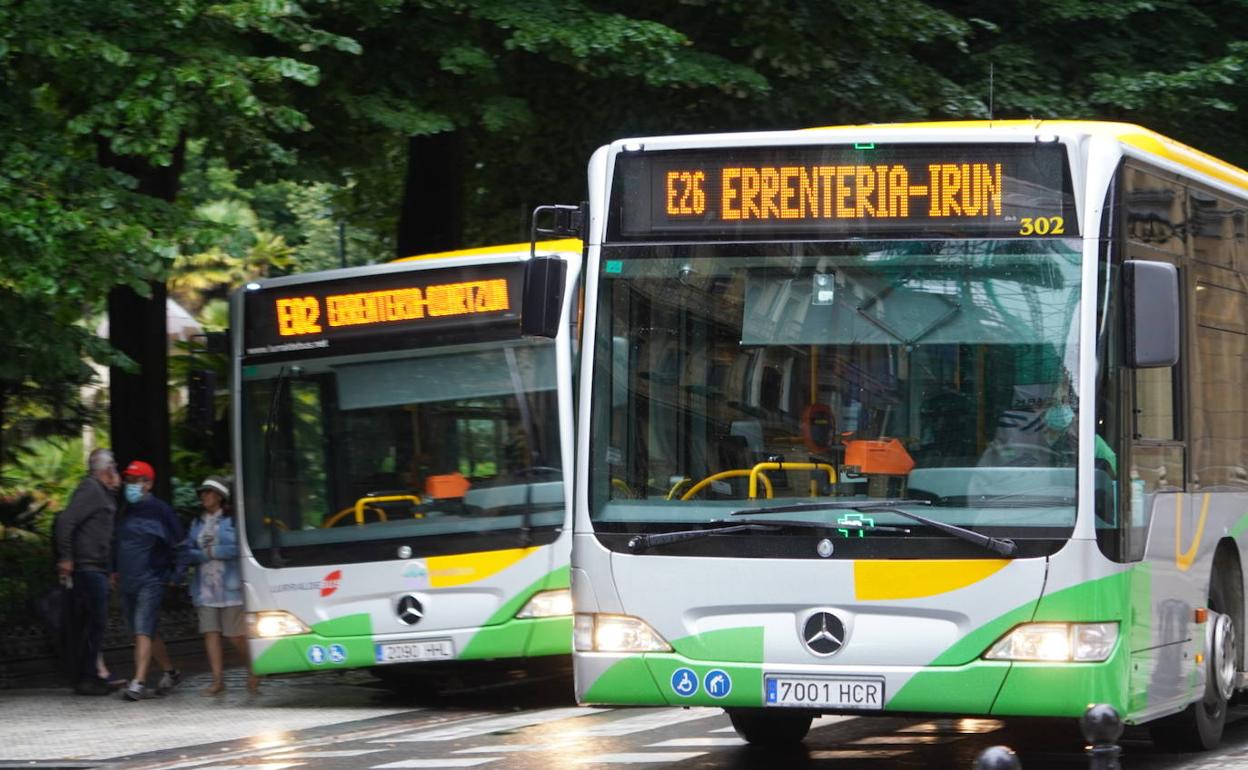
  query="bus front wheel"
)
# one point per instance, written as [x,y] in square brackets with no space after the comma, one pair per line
[770,729]
[1199,726]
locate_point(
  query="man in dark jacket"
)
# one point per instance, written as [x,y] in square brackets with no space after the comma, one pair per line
[151,553]
[84,548]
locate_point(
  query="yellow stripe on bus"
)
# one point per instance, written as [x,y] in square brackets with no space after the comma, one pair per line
[464,568]
[884,580]
[1128,133]
[564,244]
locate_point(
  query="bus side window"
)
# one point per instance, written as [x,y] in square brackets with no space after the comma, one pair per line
[1156,210]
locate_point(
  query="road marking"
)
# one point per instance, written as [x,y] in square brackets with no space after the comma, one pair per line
[444,762]
[696,742]
[492,725]
[828,721]
[287,754]
[638,724]
[858,753]
[919,738]
[269,747]
[267,766]
[638,758]
[512,748]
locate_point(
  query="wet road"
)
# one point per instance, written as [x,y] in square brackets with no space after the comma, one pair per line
[353,723]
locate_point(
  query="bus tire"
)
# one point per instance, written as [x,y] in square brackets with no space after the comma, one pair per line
[1199,726]
[770,729]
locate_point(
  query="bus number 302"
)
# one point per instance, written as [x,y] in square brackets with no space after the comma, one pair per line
[1042,226]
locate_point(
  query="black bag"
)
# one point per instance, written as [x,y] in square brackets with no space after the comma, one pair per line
[60,611]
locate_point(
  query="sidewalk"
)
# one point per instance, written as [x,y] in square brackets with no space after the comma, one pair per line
[52,724]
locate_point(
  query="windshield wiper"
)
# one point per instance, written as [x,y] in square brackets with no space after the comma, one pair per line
[1003,546]
[639,543]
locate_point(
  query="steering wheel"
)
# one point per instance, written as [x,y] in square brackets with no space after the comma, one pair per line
[1008,454]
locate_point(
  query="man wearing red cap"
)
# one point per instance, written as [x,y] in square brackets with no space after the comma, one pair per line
[151,553]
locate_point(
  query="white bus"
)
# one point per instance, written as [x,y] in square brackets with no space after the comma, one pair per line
[402,444]
[934,418]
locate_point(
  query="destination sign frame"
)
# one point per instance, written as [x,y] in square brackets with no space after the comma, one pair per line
[383,311]
[829,192]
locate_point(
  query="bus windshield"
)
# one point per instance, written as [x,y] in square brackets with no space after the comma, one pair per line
[411,445]
[938,372]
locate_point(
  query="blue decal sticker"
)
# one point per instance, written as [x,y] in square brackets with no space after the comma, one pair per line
[717,683]
[337,653]
[615,266]
[316,654]
[684,682]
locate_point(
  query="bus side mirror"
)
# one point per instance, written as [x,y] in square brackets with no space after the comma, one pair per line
[542,302]
[1151,291]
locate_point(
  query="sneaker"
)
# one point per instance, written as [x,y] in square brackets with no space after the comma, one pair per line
[92,687]
[168,681]
[135,691]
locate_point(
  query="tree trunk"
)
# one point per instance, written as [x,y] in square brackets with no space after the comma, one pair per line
[139,403]
[432,215]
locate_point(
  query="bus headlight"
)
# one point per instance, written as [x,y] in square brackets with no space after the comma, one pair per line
[265,625]
[1056,642]
[616,633]
[548,604]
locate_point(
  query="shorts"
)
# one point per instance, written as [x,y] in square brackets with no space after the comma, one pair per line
[141,607]
[227,621]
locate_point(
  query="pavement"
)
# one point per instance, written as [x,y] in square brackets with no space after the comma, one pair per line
[50,724]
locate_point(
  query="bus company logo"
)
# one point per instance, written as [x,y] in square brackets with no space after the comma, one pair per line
[330,582]
[823,633]
[416,575]
[326,585]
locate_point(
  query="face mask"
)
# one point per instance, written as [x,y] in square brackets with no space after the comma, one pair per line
[1059,416]
[134,493]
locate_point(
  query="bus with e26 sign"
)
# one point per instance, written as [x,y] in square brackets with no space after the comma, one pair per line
[931,418]
[402,448]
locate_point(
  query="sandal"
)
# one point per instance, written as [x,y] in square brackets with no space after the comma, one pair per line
[216,688]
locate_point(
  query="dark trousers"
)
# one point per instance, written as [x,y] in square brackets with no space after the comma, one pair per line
[92,599]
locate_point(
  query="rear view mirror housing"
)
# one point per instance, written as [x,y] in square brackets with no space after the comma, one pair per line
[542,302]
[1151,293]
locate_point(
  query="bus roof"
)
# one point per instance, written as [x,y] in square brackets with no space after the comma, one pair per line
[1148,141]
[565,244]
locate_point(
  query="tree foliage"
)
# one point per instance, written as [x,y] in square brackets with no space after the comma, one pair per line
[281,120]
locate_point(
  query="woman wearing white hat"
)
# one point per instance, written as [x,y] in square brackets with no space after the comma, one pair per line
[217,587]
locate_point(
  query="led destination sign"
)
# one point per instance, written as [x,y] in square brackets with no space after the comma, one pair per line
[980,190]
[307,318]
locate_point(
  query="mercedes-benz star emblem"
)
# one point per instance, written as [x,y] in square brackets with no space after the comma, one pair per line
[409,609]
[824,633]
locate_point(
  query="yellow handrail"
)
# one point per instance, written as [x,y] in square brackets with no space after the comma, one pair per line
[363,501]
[671,493]
[733,474]
[757,471]
[332,520]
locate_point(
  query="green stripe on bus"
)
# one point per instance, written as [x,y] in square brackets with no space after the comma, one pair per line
[505,637]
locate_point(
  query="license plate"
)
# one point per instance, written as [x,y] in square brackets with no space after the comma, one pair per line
[415,652]
[817,692]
